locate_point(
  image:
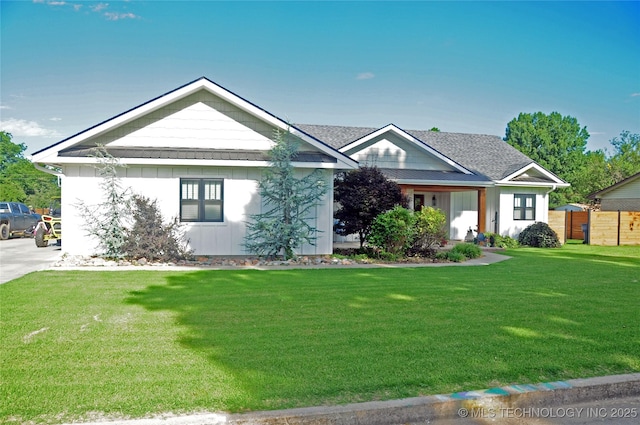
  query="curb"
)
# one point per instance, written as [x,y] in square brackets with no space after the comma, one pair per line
[452,406]
[462,405]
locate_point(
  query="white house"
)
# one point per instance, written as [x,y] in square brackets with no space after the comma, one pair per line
[479,181]
[200,150]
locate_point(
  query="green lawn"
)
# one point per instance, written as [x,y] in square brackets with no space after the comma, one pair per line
[80,344]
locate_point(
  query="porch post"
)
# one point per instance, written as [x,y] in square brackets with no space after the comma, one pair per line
[482,209]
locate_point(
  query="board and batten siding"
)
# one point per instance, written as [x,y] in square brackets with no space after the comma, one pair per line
[241,200]
[201,120]
[509,226]
[391,151]
[463,213]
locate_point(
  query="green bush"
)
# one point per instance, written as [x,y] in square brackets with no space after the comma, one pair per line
[468,250]
[501,241]
[393,231]
[429,228]
[442,255]
[456,257]
[150,237]
[539,235]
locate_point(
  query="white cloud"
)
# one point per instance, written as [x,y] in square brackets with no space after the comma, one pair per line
[55,119]
[635,94]
[365,76]
[24,128]
[97,8]
[100,6]
[5,107]
[113,16]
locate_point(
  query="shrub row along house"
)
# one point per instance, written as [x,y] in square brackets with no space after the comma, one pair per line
[200,150]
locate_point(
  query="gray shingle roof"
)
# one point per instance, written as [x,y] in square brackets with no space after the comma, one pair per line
[433,175]
[482,154]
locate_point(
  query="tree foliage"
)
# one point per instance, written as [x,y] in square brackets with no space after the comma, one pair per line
[289,204]
[625,160]
[554,141]
[362,195]
[107,220]
[20,181]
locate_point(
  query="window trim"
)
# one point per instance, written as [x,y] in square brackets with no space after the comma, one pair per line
[201,201]
[522,209]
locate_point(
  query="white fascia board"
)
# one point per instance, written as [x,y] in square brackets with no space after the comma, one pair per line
[403,134]
[531,184]
[557,181]
[45,156]
[347,162]
[277,122]
[442,183]
[50,155]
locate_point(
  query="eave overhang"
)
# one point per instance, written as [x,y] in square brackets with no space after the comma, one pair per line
[403,134]
[50,155]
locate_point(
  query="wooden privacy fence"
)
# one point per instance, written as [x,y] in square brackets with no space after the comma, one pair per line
[603,227]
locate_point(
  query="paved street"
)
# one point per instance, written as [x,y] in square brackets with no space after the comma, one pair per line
[21,256]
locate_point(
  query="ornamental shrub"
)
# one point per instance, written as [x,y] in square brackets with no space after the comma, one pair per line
[456,257]
[539,235]
[393,231]
[500,241]
[150,237]
[468,250]
[430,229]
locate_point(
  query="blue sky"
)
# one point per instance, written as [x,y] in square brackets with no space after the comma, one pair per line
[465,67]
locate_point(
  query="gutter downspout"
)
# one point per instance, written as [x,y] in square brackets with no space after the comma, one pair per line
[49,171]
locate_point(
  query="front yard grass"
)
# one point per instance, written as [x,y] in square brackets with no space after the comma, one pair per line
[86,345]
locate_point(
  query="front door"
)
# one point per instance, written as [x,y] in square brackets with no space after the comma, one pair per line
[418,202]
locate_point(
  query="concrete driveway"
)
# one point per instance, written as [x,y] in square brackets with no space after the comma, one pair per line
[21,256]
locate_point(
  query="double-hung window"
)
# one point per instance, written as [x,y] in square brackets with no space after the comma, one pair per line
[524,207]
[201,200]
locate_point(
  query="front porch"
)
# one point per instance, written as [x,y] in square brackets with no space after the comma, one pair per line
[464,206]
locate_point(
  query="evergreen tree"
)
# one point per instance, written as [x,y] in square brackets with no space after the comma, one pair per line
[107,220]
[288,202]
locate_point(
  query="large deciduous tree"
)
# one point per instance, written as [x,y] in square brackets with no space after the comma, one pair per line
[362,195]
[20,181]
[554,141]
[289,204]
[625,160]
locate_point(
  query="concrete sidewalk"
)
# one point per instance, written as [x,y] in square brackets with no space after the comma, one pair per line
[543,400]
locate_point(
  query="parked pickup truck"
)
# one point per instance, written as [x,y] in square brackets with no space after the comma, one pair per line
[16,219]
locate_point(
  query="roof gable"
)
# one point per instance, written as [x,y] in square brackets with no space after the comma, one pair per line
[199,115]
[627,185]
[533,174]
[392,147]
